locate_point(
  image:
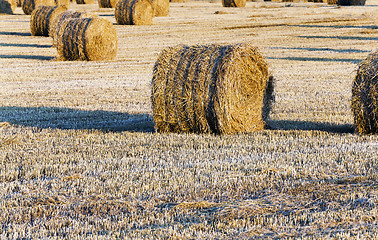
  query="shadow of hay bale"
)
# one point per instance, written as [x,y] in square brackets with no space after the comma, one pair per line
[309,126]
[67,118]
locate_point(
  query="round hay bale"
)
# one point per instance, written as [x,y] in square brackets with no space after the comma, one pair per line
[41,18]
[56,23]
[160,7]
[233,3]
[211,89]
[88,39]
[364,102]
[107,3]
[134,12]
[8,6]
[28,6]
[85,1]
[331,2]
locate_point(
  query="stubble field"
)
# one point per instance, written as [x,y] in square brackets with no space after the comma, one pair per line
[79,157]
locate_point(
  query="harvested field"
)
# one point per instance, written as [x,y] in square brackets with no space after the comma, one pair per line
[79,157]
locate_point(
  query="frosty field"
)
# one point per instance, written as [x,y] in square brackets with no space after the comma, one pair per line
[79,157]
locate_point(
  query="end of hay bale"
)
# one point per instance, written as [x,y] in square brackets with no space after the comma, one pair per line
[88,39]
[364,102]
[211,89]
[233,3]
[134,12]
[8,6]
[41,18]
[28,6]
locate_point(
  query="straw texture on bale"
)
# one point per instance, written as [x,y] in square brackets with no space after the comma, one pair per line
[107,3]
[8,6]
[56,23]
[365,96]
[19,3]
[211,89]
[85,1]
[28,6]
[160,7]
[41,18]
[233,3]
[134,12]
[88,39]
[332,2]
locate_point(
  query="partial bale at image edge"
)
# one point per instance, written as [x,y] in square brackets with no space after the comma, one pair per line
[211,89]
[87,39]
[28,6]
[364,102]
[233,3]
[8,6]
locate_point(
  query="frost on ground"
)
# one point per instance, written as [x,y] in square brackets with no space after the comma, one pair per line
[79,156]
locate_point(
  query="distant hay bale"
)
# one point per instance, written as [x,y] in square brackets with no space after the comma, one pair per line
[88,39]
[28,6]
[211,89]
[107,3]
[41,18]
[364,102]
[160,7]
[85,1]
[134,12]
[233,3]
[56,23]
[332,2]
[8,6]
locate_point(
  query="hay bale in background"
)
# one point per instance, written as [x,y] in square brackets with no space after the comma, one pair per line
[160,7]
[211,89]
[107,3]
[233,3]
[41,18]
[364,102]
[8,6]
[134,12]
[332,2]
[56,23]
[28,6]
[89,39]
[85,1]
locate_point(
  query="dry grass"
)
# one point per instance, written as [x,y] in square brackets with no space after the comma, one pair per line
[79,158]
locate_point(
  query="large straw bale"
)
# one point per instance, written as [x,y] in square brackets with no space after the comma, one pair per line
[364,102]
[211,89]
[89,39]
[28,6]
[8,6]
[233,3]
[41,18]
[107,3]
[134,12]
[85,1]
[56,23]
[160,7]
